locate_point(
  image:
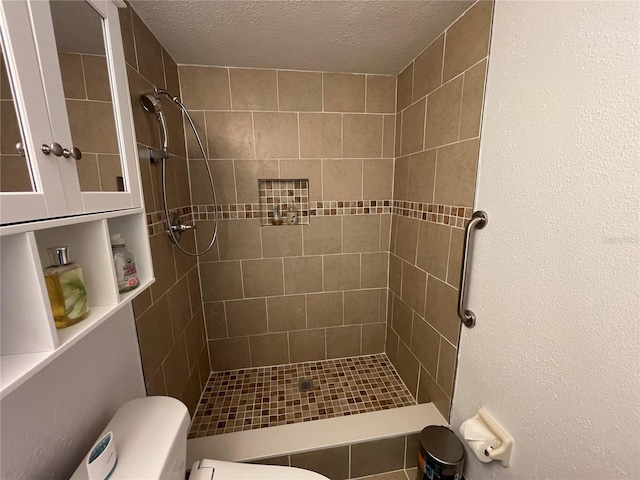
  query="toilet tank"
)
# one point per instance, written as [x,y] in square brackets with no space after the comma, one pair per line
[150,437]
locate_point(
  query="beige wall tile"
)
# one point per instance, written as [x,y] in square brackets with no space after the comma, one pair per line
[248,172]
[455,257]
[222,171]
[307,345]
[377,456]
[126,30]
[239,239]
[381,94]
[72,76]
[362,136]
[220,281]
[110,167]
[341,272]
[320,135]
[404,96]
[88,173]
[176,368]
[146,125]
[414,283]
[330,462]
[443,114]
[428,69]
[190,396]
[322,235]
[388,136]
[171,73]
[141,302]
[175,129]
[253,89]
[360,233]
[407,366]
[343,341]
[407,239]
[385,232]
[429,391]
[361,306]
[282,241]
[154,336]
[401,179]
[374,270]
[456,174]
[342,179]
[149,52]
[286,313]
[391,345]
[193,150]
[147,188]
[93,126]
[156,385]
[229,134]
[394,235]
[163,264]
[467,40]
[325,309]
[276,135]
[395,274]
[179,306]
[310,169]
[433,248]
[343,92]
[446,366]
[216,320]
[229,354]
[401,320]
[422,169]
[441,309]
[425,344]
[270,349]
[262,278]
[181,171]
[96,78]
[413,128]
[246,317]
[204,368]
[204,88]
[195,293]
[398,138]
[411,454]
[204,233]
[472,97]
[303,274]
[300,91]
[373,338]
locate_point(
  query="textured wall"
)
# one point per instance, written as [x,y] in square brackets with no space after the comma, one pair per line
[439,101]
[51,421]
[169,316]
[280,294]
[554,281]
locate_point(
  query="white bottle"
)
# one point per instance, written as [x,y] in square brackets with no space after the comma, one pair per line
[125,263]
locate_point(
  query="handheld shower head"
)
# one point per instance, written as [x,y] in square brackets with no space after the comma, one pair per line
[150,102]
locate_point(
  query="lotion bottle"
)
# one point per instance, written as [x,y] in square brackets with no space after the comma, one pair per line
[125,263]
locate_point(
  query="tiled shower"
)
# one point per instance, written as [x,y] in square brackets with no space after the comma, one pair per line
[391,165]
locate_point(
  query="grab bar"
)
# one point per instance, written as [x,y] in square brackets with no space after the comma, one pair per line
[478,220]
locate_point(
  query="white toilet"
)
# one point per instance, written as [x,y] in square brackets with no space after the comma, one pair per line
[150,439]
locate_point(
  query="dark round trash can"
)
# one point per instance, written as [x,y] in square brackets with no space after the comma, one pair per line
[441,455]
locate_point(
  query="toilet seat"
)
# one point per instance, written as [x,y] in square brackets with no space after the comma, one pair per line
[218,470]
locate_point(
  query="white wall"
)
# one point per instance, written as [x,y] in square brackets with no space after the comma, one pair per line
[50,422]
[554,281]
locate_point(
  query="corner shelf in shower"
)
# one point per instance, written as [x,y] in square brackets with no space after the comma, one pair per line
[29,339]
[284,193]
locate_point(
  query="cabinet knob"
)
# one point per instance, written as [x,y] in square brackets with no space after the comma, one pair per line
[20,148]
[54,148]
[74,152]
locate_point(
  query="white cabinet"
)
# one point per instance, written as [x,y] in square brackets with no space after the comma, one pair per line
[64,84]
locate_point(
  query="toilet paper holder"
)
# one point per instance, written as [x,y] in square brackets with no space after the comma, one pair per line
[503,452]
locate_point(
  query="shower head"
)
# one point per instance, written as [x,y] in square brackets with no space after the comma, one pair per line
[150,102]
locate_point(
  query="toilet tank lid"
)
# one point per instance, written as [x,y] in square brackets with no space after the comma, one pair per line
[145,431]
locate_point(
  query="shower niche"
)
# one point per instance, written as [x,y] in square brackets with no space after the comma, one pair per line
[284,201]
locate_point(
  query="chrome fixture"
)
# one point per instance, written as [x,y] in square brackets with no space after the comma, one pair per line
[58,151]
[478,220]
[150,101]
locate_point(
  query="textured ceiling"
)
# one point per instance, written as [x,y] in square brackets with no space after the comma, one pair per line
[340,36]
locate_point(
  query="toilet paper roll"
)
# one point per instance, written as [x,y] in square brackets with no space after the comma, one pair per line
[478,436]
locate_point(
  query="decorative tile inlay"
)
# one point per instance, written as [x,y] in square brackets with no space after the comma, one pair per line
[254,398]
[434,213]
[284,195]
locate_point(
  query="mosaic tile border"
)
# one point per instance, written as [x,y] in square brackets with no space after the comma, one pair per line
[253,398]
[453,215]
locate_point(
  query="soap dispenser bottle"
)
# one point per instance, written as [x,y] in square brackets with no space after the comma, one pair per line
[65,286]
[125,263]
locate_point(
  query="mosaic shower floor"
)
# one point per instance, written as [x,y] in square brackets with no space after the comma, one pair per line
[267,396]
